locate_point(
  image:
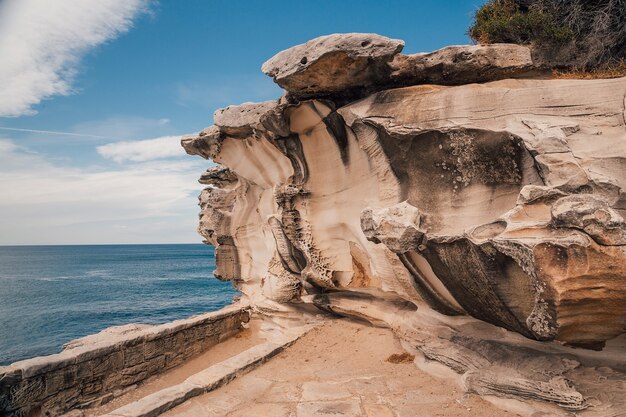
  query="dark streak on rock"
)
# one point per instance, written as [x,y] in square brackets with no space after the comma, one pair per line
[291,147]
[291,258]
[472,274]
[429,295]
[336,127]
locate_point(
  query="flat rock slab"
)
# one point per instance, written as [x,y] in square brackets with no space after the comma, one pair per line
[347,408]
[333,63]
[338,369]
[323,391]
[454,65]
[242,120]
[355,64]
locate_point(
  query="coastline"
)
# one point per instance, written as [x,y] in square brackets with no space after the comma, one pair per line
[54,294]
[97,368]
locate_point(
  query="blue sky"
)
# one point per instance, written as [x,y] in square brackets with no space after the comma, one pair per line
[119,81]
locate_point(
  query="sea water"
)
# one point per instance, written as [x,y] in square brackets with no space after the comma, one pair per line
[50,295]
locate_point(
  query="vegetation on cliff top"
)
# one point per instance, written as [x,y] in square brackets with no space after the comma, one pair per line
[584,35]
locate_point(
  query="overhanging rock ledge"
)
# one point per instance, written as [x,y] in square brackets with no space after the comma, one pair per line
[426,191]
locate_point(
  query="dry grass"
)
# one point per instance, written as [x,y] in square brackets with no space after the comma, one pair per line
[400,358]
[581,34]
[615,70]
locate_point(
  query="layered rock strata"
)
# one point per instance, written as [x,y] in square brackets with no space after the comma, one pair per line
[396,178]
[350,65]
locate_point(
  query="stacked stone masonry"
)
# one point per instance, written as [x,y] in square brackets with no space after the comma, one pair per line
[95,369]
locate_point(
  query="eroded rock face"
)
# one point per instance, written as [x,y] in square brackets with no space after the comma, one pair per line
[397,227]
[436,195]
[333,63]
[465,64]
[592,215]
[502,201]
[349,66]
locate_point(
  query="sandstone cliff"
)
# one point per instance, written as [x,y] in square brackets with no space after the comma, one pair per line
[417,191]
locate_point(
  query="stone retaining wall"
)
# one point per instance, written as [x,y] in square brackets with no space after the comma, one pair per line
[97,368]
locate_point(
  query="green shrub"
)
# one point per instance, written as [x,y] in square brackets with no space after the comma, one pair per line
[503,21]
[578,34]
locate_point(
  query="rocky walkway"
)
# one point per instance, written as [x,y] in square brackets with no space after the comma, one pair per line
[342,368]
[217,367]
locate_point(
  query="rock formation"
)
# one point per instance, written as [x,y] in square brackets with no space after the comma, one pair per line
[386,186]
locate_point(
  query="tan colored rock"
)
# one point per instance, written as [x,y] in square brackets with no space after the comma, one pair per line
[206,144]
[503,201]
[397,227]
[465,64]
[245,119]
[333,63]
[435,195]
[592,215]
[349,407]
[218,176]
[351,65]
[323,391]
[532,193]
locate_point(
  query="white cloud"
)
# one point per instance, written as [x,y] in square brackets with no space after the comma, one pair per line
[42,42]
[148,202]
[142,150]
[7,147]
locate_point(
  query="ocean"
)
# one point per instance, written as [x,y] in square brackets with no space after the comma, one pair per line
[50,295]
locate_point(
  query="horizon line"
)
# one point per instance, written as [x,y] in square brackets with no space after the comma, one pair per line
[100,244]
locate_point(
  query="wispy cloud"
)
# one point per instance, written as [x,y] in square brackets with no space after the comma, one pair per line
[125,127]
[54,132]
[142,150]
[42,42]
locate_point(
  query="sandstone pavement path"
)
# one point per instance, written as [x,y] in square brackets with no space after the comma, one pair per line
[339,369]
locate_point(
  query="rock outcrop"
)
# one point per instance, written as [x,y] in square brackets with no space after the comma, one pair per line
[344,67]
[333,64]
[390,178]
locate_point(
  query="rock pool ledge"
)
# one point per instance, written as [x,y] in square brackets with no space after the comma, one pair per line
[97,368]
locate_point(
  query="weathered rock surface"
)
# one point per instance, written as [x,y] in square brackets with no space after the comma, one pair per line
[333,63]
[502,201]
[397,227]
[347,66]
[243,120]
[593,216]
[465,64]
